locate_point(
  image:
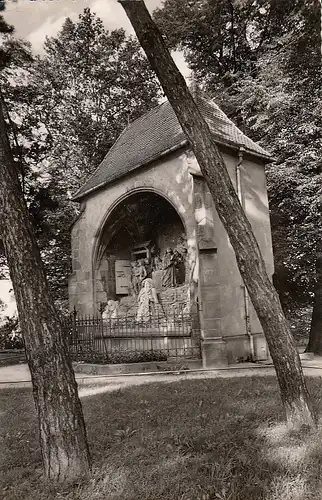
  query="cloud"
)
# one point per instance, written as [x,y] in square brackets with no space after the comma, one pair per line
[110,11]
[36,20]
[50,21]
[112,14]
[50,28]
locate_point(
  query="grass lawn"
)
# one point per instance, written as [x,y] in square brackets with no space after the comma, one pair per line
[219,439]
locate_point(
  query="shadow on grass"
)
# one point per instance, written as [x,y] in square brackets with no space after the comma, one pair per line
[220,439]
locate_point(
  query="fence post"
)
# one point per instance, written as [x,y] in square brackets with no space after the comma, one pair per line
[74,331]
[195,327]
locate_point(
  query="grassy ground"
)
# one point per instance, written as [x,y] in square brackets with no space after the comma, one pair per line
[221,439]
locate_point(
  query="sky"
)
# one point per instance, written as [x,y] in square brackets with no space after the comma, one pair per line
[33,20]
[8,298]
[36,19]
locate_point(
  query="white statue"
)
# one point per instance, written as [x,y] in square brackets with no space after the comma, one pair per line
[111,310]
[147,295]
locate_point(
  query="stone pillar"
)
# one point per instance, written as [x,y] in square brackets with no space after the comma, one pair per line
[214,348]
[80,281]
[101,279]
[259,342]
[213,345]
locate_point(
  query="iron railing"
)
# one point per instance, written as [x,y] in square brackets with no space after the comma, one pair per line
[124,339]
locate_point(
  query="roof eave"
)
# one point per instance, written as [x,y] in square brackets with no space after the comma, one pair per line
[79,197]
[267,159]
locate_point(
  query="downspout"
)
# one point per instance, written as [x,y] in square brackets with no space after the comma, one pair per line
[246,296]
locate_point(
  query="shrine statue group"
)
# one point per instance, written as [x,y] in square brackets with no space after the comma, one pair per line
[170,271]
[172,268]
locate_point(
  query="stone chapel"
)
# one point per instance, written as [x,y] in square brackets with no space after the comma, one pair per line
[147,212]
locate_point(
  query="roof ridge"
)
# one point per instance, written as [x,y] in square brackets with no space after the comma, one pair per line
[211,101]
[157,131]
[144,115]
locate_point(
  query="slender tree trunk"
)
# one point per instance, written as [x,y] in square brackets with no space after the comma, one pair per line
[232,32]
[315,338]
[280,341]
[61,423]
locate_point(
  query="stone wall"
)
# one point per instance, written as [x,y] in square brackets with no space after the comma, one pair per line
[214,278]
[226,336]
[168,177]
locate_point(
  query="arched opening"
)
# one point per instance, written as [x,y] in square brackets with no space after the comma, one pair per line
[143,236]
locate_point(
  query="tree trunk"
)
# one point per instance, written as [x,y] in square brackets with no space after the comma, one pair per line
[61,422]
[315,338]
[280,341]
[232,32]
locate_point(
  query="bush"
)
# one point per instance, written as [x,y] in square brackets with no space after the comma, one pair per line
[10,335]
[10,340]
[300,322]
[119,357]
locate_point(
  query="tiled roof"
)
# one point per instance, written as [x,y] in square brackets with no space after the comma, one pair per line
[157,132]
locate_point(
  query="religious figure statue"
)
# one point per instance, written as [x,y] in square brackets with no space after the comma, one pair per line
[142,273]
[147,297]
[148,267]
[168,264]
[111,310]
[173,268]
[138,274]
[156,261]
[135,281]
[179,263]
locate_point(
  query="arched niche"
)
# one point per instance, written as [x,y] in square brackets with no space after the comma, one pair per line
[142,223]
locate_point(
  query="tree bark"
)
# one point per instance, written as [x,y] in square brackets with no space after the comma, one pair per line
[251,265]
[315,338]
[61,423]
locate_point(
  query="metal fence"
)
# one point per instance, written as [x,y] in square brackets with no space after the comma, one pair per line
[125,340]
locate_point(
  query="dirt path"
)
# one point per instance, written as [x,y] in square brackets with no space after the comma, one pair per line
[109,384]
[19,376]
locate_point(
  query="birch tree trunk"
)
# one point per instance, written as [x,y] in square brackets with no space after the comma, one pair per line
[251,265]
[61,424]
[315,339]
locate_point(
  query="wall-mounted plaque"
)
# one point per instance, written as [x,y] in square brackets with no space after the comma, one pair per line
[123,276]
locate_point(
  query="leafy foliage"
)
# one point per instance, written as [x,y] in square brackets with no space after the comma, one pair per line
[10,334]
[67,108]
[260,60]
[93,83]
[9,54]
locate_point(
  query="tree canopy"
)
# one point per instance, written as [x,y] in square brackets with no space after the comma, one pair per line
[261,61]
[66,108]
